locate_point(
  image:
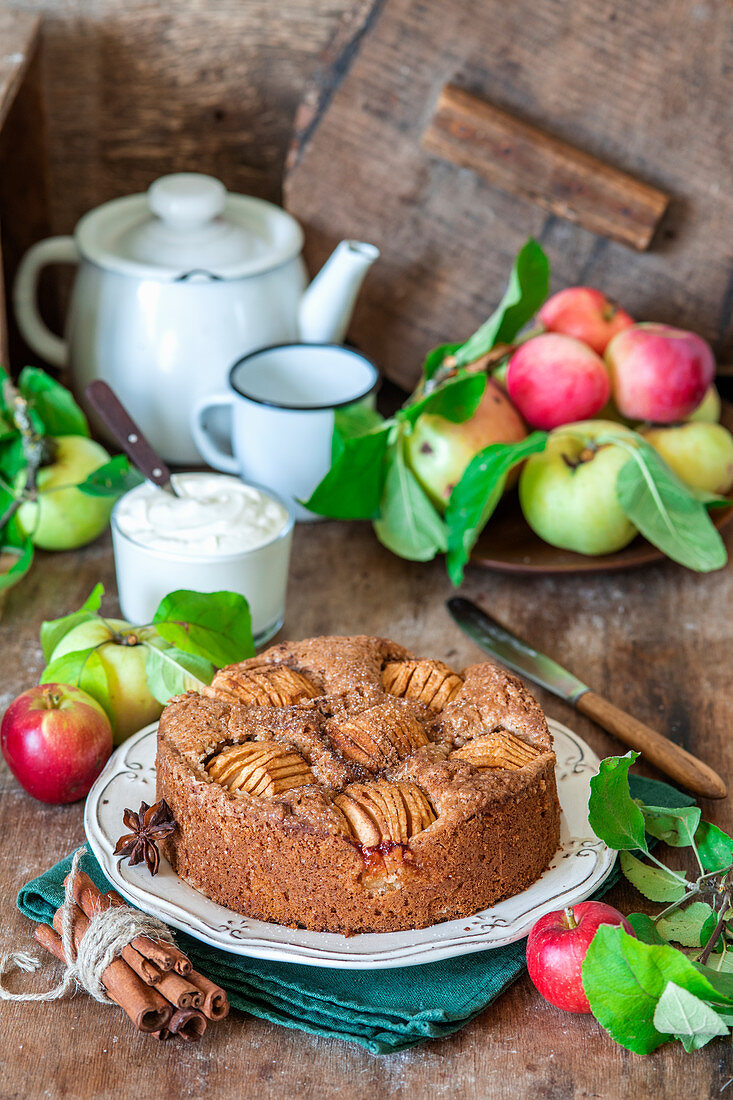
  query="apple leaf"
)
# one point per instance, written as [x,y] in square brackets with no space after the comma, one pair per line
[645,928]
[352,488]
[55,629]
[721,982]
[171,672]
[434,359]
[53,404]
[687,1017]
[652,882]
[666,513]
[408,524]
[84,669]
[723,964]
[675,827]
[12,458]
[687,926]
[624,979]
[352,421]
[612,813]
[714,847]
[529,283]
[112,479]
[477,494]
[455,400]
[17,556]
[214,625]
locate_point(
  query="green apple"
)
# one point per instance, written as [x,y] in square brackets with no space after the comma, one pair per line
[709,408]
[568,491]
[699,452]
[62,517]
[438,450]
[119,646]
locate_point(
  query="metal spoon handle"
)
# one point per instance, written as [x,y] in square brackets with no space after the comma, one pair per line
[110,409]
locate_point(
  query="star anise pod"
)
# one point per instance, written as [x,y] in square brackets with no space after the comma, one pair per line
[149,824]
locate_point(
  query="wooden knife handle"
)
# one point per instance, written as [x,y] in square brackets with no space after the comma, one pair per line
[674,761]
[110,409]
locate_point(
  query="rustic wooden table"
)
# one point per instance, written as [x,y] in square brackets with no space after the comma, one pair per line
[657,641]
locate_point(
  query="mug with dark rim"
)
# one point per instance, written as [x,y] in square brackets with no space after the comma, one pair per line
[281,404]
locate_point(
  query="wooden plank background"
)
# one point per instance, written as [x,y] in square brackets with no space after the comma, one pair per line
[140,88]
[646,87]
[137,89]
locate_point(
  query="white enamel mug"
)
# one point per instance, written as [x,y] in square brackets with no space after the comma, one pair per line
[281,404]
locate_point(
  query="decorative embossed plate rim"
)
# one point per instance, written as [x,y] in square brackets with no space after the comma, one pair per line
[578,868]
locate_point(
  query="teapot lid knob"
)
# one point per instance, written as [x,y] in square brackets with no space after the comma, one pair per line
[187,200]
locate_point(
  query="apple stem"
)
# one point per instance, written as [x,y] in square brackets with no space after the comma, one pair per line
[570,917]
[53,699]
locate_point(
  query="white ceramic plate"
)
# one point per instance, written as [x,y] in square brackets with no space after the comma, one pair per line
[580,865]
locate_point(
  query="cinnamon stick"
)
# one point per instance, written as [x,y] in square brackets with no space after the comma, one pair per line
[164,956]
[181,992]
[215,1003]
[51,940]
[188,1023]
[143,967]
[143,1004]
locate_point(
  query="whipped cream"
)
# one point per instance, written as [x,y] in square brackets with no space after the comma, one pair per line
[213,514]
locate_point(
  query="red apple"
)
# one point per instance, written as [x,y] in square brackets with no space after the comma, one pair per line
[585,313]
[556,949]
[554,379]
[659,373]
[55,739]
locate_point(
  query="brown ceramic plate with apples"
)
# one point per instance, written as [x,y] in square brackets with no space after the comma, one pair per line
[509,544]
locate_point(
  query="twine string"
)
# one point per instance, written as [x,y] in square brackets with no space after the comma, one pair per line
[109,932]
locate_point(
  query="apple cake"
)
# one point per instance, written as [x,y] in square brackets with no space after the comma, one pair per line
[344,785]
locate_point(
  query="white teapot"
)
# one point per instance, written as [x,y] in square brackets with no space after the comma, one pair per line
[175,285]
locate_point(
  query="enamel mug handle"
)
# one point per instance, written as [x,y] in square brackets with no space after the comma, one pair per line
[55,250]
[210,451]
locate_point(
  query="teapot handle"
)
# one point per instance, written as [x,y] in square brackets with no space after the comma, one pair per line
[55,250]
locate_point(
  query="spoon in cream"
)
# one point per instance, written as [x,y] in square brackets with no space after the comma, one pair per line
[136,446]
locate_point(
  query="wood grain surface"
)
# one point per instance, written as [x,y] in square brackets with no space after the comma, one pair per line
[657,641]
[642,86]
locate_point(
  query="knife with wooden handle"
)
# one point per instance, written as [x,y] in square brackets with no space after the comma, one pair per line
[517,655]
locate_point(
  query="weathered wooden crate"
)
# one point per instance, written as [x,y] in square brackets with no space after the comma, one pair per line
[23,161]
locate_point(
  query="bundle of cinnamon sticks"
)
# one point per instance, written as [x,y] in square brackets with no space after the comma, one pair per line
[152,981]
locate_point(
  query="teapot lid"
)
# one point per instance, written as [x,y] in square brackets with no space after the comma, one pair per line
[188,225]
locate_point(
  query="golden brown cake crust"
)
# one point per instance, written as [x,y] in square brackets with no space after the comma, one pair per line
[344,785]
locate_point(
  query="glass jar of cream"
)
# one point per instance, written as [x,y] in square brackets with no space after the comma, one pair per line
[218,533]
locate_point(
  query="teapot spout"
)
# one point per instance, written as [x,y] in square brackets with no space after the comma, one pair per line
[327,305]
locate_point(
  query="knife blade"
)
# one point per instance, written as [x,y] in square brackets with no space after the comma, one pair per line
[517,655]
[523,658]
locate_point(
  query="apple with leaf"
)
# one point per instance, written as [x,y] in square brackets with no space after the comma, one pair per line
[132,670]
[647,979]
[430,477]
[57,485]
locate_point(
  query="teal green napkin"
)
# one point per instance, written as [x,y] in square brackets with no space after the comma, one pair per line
[382,1010]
